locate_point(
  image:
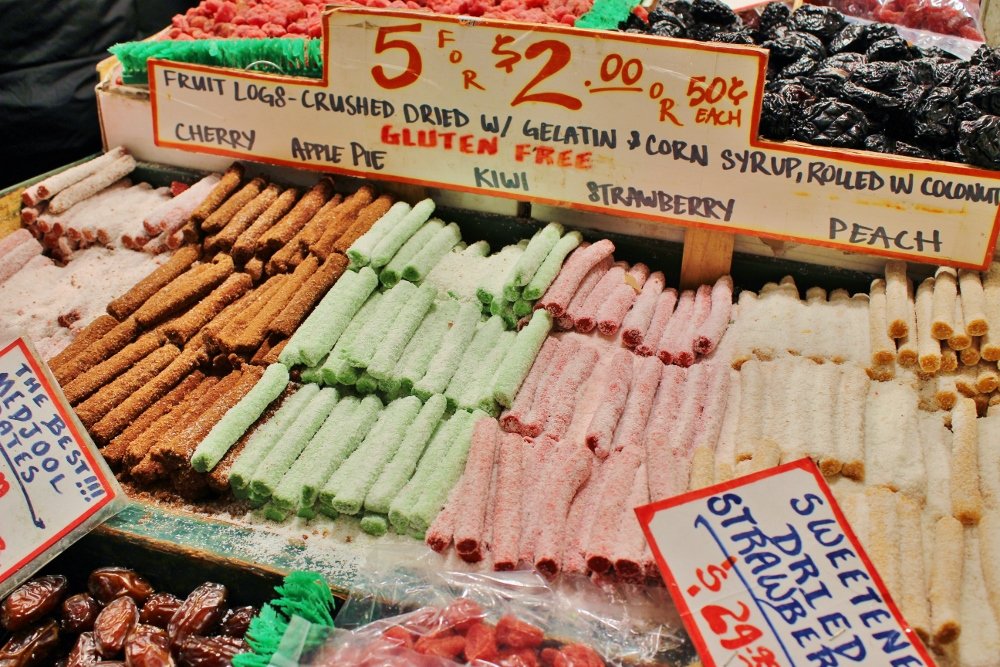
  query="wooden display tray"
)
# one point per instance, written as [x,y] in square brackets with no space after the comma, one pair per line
[187,547]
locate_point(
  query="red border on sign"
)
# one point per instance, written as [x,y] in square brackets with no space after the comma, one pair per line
[645,515]
[855,156]
[71,424]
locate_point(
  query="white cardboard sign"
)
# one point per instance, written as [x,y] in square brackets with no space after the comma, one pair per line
[54,485]
[766,571]
[635,125]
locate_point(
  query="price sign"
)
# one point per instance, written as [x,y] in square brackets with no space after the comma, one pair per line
[54,486]
[766,572]
[634,125]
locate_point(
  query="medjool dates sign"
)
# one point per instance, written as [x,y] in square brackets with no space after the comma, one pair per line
[765,571]
[616,123]
[54,486]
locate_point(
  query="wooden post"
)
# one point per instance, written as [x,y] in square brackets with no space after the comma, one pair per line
[708,255]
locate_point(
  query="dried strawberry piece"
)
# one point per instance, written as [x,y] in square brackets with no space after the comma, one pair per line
[481,643]
[522,657]
[462,614]
[578,655]
[442,647]
[400,635]
[515,633]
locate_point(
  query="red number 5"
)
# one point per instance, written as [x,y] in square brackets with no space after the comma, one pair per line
[414,64]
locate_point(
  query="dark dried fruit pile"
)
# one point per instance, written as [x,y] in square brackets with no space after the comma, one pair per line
[119,620]
[847,85]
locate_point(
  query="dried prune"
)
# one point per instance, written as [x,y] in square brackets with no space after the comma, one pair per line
[850,39]
[890,50]
[114,624]
[737,37]
[79,612]
[84,652]
[714,12]
[31,646]
[824,22]
[979,141]
[197,651]
[879,143]
[774,14]
[108,583]
[780,107]
[801,67]
[159,609]
[199,612]
[832,122]
[828,81]
[236,621]
[909,150]
[934,117]
[148,646]
[986,98]
[31,601]
[793,45]
[702,32]
[967,111]
[878,31]
[987,56]
[671,26]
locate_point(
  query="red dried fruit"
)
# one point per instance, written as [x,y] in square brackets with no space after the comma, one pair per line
[578,655]
[236,621]
[481,643]
[114,624]
[199,612]
[79,612]
[522,657]
[196,651]
[148,646]
[84,653]
[441,647]
[159,609]
[400,635]
[31,646]
[462,613]
[31,601]
[548,656]
[108,583]
[515,633]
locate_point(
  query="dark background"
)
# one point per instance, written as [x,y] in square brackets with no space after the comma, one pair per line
[48,54]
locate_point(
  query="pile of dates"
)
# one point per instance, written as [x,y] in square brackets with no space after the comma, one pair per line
[119,620]
[851,85]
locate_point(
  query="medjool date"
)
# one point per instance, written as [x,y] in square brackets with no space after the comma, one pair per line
[108,583]
[31,601]
[79,612]
[114,624]
[199,612]
[831,122]
[31,646]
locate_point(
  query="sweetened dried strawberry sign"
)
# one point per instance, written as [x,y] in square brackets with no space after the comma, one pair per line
[618,123]
[54,485]
[766,571]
